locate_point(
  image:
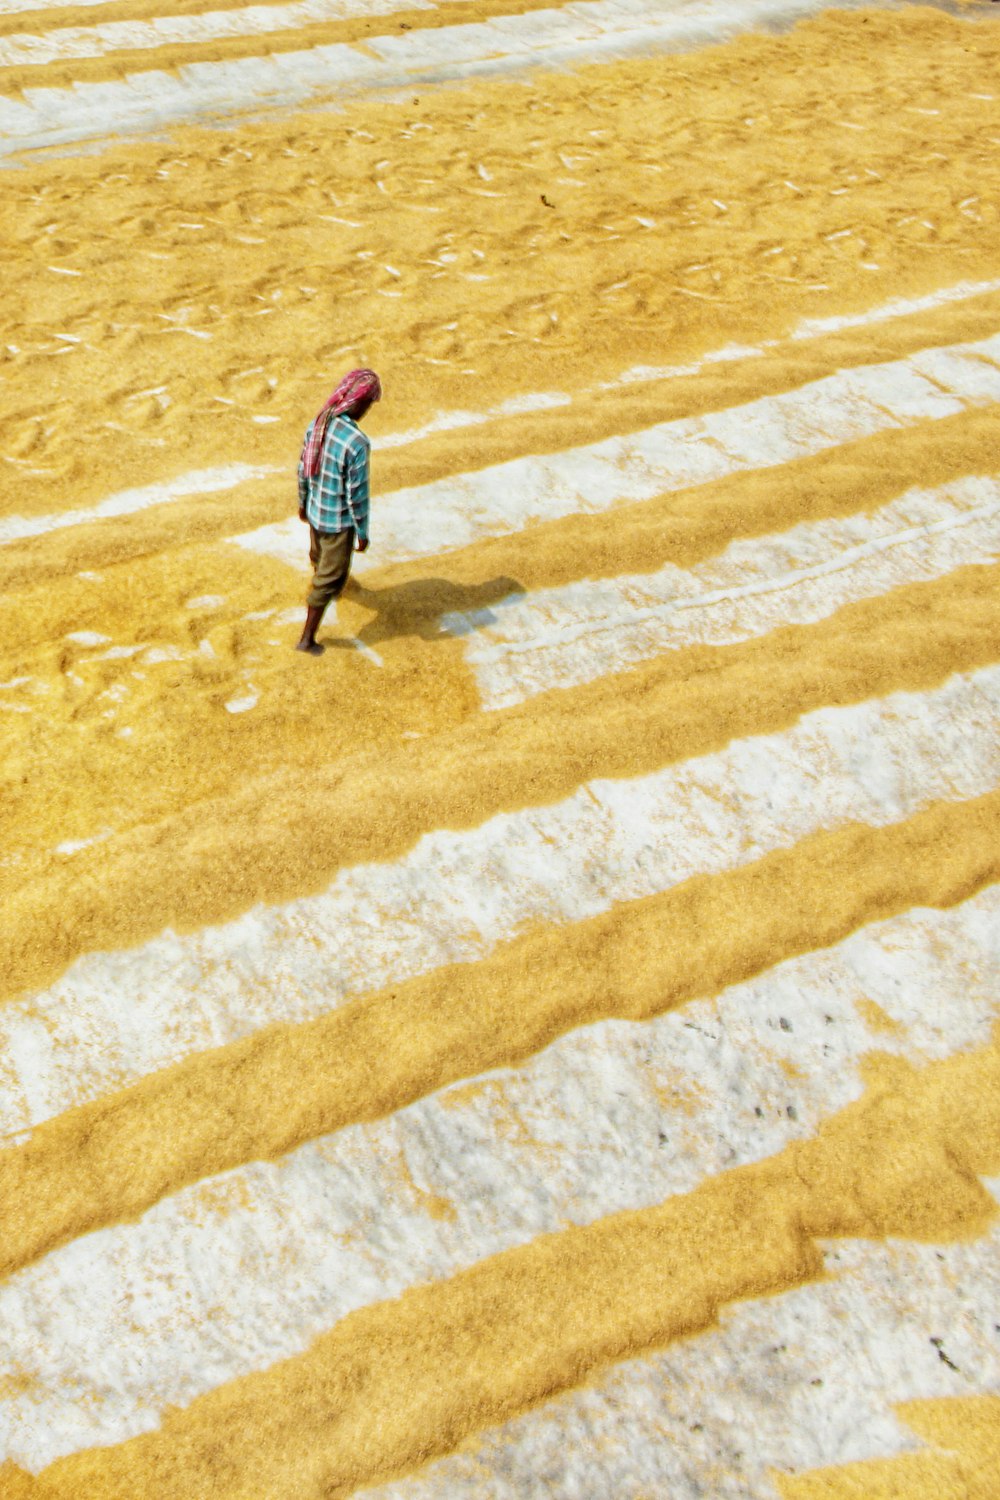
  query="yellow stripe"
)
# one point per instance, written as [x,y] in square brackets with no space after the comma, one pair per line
[15,1484]
[688,526]
[222,1108]
[400,1382]
[961,1460]
[289,830]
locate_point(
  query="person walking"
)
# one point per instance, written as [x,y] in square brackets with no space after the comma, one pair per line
[333,493]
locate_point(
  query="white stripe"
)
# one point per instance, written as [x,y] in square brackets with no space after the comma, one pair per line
[226,1278]
[814,328]
[125,502]
[556,638]
[900,307]
[14,528]
[790,1384]
[115,1017]
[840,408]
[515,406]
[588,30]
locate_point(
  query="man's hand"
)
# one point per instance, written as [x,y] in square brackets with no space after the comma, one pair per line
[362,546]
[302,513]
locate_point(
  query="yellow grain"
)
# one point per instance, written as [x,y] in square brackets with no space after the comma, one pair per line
[264,1096]
[398,1383]
[320,789]
[961,1460]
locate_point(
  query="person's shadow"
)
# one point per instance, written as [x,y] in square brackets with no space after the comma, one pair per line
[434,609]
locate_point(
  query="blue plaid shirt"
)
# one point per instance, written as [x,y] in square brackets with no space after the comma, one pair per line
[337,497]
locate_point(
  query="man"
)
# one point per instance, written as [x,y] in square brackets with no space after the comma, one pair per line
[333,493]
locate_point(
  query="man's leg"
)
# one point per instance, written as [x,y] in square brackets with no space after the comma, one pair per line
[314,614]
[307,640]
[330,555]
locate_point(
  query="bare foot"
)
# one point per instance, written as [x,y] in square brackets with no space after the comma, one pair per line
[312,647]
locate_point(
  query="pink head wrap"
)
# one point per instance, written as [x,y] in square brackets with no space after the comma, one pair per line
[358,386]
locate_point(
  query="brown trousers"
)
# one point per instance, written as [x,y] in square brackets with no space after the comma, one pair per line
[330,555]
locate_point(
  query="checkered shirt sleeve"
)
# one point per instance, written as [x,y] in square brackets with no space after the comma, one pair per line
[337,497]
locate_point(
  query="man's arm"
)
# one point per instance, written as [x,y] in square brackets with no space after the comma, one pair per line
[303,483]
[357,493]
